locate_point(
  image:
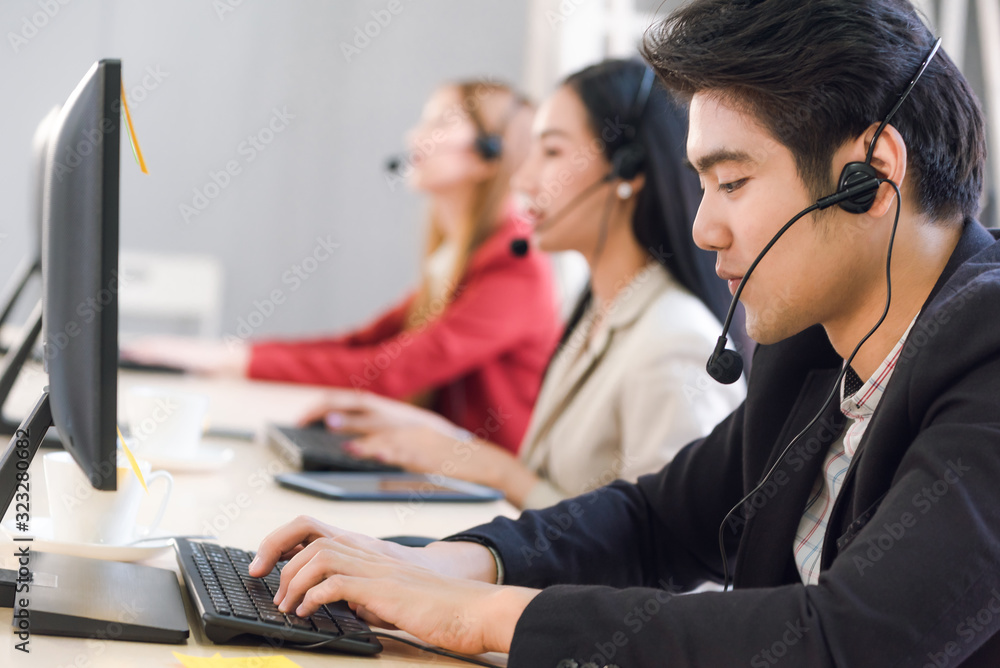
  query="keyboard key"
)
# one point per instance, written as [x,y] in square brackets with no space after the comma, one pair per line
[299,622]
[256,587]
[326,625]
[339,609]
[273,617]
[351,626]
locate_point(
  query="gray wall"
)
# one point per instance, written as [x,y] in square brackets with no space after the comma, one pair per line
[220,76]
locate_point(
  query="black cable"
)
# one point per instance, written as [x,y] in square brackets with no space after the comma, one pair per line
[602,234]
[902,98]
[833,390]
[420,646]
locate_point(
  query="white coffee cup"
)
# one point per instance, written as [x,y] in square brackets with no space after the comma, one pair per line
[82,514]
[165,422]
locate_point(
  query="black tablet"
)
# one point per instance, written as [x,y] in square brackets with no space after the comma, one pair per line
[386,487]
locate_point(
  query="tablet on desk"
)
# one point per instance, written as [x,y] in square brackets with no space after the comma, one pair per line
[386,487]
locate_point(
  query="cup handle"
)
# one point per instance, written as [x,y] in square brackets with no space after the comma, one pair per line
[166,497]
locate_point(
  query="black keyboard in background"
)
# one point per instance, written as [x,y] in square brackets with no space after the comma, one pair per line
[132,365]
[231,603]
[317,449]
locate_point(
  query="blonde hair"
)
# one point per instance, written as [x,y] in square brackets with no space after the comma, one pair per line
[494,108]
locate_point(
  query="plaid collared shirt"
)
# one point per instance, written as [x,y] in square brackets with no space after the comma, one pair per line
[858,408]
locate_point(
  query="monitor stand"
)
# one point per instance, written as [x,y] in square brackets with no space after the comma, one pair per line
[106,600]
[28,268]
[11,367]
[78,597]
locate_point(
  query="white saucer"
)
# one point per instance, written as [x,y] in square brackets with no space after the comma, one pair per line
[41,531]
[206,458]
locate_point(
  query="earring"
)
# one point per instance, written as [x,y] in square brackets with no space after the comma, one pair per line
[624,190]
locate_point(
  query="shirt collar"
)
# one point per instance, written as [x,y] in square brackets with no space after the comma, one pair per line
[862,404]
[632,299]
[630,302]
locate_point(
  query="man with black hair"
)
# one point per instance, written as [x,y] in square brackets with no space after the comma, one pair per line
[875,539]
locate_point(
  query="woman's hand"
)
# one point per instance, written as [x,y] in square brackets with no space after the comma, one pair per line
[394,586]
[365,413]
[204,356]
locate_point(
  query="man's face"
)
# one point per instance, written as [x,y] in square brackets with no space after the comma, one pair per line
[752,188]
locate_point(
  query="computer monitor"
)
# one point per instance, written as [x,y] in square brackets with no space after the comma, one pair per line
[80,316]
[31,263]
[29,267]
[79,285]
[80,272]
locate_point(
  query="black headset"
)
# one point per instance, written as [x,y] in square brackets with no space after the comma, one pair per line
[627,161]
[489,145]
[857,188]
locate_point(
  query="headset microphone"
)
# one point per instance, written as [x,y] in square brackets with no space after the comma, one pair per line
[398,162]
[394,163]
[627,162]
[519,247]
[856,190]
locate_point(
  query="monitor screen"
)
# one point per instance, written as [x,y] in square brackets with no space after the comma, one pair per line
[80,271]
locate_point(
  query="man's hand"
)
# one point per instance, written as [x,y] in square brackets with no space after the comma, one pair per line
[394,586]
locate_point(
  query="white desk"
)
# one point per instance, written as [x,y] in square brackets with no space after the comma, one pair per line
[203,500]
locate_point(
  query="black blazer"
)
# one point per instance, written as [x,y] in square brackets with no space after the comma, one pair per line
[911,560]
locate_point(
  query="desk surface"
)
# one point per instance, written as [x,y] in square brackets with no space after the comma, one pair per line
[240,505]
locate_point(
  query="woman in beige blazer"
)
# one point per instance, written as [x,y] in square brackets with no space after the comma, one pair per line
[627,387]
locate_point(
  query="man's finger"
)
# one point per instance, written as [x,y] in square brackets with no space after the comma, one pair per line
[324,559]
[283,540]
[345,543]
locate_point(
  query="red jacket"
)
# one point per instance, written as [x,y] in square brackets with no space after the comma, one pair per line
[484,355]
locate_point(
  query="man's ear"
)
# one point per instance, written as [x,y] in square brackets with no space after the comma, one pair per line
[889,160]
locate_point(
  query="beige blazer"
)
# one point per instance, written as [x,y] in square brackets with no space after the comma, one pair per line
[627,402]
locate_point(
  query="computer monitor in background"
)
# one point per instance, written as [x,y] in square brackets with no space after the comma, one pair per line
[79,274]
[29,267]
[31,264]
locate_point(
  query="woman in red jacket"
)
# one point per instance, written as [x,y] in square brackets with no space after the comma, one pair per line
[473,340]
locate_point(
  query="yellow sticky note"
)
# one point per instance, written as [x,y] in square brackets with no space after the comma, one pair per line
[131,460]
[240,662]
[132,139]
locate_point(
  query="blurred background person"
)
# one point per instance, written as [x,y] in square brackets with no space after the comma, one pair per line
[627,387]
[473,339]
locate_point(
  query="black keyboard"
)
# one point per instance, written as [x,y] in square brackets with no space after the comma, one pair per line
[317,449]
[231,603]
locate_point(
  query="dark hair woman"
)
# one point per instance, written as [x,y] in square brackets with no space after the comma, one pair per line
[627,387]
